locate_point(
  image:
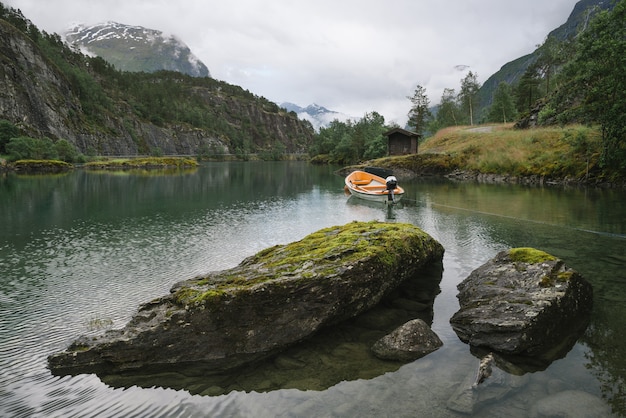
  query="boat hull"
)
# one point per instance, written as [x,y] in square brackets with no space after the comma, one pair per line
[370,187]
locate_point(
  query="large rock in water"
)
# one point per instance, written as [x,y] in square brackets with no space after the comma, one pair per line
[523,302]
[270,301]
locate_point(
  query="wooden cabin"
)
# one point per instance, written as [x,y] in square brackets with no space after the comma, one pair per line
[401,142]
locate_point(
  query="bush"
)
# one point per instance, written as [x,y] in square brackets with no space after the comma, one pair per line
[27,148]
[66,151]
[7,132]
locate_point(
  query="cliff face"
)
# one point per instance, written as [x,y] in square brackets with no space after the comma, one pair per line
[38,97]
[32,92]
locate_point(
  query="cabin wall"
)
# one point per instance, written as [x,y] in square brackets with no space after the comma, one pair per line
[401,145]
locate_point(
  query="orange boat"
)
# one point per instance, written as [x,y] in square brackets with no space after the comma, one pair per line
[374,188]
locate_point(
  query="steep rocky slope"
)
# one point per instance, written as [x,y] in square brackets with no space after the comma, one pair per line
[50,91]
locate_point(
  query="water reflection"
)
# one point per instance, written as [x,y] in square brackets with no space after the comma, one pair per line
[585,227]
[83,247]
[335,354]
[388,210]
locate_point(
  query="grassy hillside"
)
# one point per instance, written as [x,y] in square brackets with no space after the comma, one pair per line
[570,153]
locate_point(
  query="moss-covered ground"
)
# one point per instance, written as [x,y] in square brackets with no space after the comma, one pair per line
[144,162]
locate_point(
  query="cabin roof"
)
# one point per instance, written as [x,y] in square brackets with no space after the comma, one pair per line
[401,131]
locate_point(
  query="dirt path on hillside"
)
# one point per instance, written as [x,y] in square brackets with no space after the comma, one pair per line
[481,129]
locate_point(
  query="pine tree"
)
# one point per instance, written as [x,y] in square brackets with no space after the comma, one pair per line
[420,114]
[502,109]
[468,95]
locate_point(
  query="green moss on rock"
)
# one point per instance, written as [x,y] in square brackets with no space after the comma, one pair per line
[322,254]
[529,255]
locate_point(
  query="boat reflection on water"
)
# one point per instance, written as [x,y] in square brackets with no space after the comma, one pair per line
[388,209]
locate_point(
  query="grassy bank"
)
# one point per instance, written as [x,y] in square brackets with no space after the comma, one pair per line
[571,153]
[144,162]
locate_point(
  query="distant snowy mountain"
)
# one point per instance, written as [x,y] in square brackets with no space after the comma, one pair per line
[135,48]
[318,115]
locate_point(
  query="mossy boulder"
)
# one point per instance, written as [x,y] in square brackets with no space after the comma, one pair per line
[524,302]
[270,301]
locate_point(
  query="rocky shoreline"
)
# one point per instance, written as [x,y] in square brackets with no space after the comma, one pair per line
[447,170]
[492,178]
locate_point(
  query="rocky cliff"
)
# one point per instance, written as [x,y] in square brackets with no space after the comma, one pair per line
[48,90]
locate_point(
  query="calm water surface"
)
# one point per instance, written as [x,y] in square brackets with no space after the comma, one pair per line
[79,253]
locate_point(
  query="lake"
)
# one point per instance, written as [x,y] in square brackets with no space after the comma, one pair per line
[79,252]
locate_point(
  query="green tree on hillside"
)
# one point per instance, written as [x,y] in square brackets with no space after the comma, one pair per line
[502,109]
[448,113]
[595,89]
[548,61]
[468,96]
[527,90]
[372,126]
[7,132]
[419,115]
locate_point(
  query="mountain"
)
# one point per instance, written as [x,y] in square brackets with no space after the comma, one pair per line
[135,48]
[51,90]
[512,71]
[318,115]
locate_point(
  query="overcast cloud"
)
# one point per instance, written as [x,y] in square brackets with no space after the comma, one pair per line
[351,56]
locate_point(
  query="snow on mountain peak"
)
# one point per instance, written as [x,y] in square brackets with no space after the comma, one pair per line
[135,48]
[319,116]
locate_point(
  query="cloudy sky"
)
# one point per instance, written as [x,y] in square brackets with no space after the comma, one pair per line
[351,56]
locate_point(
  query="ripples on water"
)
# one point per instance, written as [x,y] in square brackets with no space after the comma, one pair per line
[58,283]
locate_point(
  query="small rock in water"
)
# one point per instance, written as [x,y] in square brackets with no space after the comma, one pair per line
[408,342]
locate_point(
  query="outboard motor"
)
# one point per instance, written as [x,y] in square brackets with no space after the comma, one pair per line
[391,183]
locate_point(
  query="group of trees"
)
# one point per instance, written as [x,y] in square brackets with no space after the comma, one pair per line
[18,147]
[592,83]
[453,109]
[580,80]
[349,142]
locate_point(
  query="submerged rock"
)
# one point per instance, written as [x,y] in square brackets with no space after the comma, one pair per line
[408,342]
[487,384]
[572,404]
[523,302]
[270,301]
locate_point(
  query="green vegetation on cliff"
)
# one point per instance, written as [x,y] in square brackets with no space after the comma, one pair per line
[96,105]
